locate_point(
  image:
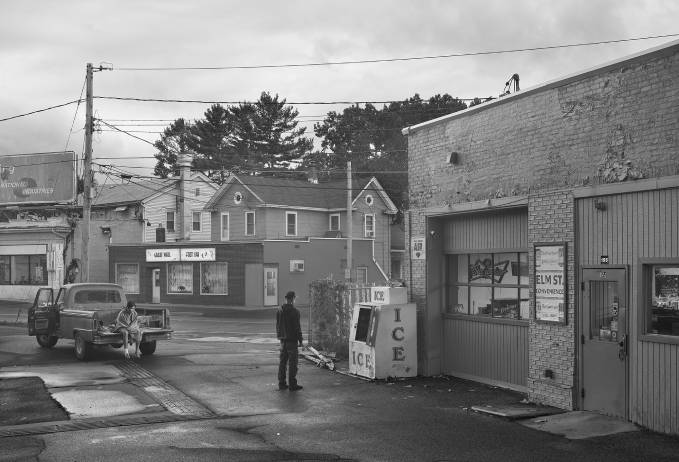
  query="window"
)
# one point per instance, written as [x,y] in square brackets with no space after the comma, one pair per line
[88,297]
[296,266]
[662,313]
[195,219]
[214,278]
[180,278]
[362,274]
[369,225]
[197,192]
[488,284]
[127,275]
[249,223]
[23,269]
[334,222]
[169,221]
[225,227]
[291,223]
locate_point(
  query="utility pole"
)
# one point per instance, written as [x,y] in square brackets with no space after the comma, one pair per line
[347,272]
[87,177]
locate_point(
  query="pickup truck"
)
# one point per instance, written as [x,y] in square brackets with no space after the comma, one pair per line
[86,313]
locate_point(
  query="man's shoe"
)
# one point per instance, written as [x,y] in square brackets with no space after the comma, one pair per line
[295,387]
[282,386]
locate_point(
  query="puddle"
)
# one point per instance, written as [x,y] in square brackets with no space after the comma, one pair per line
[262,340]
[67,375]
[98,403]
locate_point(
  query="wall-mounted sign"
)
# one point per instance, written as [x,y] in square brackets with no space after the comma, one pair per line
[550,282]
[46,178]
[162,255]
[207,254]
[603,259]
[417,249]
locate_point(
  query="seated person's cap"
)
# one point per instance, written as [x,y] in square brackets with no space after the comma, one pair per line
[290,295]
[130,304]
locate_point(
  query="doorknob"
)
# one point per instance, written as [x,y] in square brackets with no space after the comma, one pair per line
[622,351]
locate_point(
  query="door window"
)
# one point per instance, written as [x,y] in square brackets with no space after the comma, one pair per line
[603,311]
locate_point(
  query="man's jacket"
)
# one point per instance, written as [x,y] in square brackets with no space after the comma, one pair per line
[287,323]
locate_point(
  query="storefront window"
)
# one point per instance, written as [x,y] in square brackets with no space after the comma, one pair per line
[127,275]
[23,269]
[214,278]
[180,278]
[488,284]
[664,304]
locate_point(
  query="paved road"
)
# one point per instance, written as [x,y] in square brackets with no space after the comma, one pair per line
[228,367]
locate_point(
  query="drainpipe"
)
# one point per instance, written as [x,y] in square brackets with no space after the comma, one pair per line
[184,163]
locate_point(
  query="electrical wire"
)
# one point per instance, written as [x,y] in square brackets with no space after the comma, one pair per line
[389,60]
[70,132]
[41,110]
[298,103]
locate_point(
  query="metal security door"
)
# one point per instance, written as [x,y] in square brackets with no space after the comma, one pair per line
[270,285]
[604,340]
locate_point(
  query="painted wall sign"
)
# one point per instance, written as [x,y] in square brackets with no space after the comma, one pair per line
[46,178]
[418,248]
[550,282]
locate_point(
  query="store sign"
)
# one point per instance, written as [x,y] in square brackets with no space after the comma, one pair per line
[153,255]
[550,283]
[418,249]
[198,254]
[46,178]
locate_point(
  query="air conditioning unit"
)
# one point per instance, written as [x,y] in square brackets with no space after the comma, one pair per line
[296,266]
[370,234]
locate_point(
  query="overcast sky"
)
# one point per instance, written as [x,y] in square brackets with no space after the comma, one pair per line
[45,46]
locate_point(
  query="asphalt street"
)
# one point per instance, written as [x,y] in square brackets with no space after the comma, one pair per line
[210,394]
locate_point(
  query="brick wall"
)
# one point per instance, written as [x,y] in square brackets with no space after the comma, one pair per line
[552,346]
[616,123]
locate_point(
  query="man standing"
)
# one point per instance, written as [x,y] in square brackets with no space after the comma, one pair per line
[289,333]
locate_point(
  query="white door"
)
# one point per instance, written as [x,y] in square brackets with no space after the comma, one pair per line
[155,280]
[270,285]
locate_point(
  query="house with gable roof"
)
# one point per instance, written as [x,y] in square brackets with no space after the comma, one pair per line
[303,228]
[145,213]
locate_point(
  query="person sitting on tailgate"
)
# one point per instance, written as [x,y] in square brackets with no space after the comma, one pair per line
[128,325]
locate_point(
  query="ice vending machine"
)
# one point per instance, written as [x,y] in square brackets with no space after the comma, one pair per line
[383,337]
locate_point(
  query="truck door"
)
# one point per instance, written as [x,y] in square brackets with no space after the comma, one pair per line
[42,315]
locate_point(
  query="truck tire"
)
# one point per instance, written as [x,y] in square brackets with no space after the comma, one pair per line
[147,348]
[82,347]
[46,341]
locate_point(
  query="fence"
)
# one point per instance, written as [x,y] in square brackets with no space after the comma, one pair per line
[331,304]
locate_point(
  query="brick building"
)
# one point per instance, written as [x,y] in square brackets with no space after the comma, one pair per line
[544,240]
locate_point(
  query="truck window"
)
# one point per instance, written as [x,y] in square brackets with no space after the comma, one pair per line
[86,297]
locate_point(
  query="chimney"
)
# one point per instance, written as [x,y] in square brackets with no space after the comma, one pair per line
[184,164]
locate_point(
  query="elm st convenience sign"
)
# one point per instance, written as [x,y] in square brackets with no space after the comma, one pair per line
[45,178]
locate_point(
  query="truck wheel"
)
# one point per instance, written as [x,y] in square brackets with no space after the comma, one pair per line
[82,348]
[46,341]
[147,348]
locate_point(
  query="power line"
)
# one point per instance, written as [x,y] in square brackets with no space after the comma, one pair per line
[388,60]
[42,110]
[70,132]
[298,103]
